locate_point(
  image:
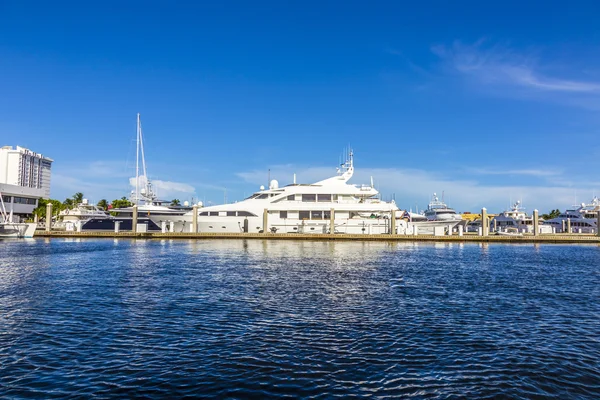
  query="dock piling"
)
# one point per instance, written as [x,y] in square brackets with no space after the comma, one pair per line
[484,222]
[265,220]
[393,222]
[134,219]
[536,223]
[195,219]
[48,217]
[568,225]
[332,221]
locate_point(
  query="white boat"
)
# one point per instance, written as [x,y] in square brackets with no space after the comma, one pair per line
[11,229]
[79,215]
[439,211]
[582,219]
[144,196]
[515,217]
[303,208]
[300,208]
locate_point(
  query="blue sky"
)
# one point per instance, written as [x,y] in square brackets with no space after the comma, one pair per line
[487,103]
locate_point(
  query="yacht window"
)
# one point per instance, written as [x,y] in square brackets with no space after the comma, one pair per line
[6,199]
[245,214]
[304,215]
[324,198]
[231,213]
[309,198]
[335,197]
[317,214]
[213,213]
[291,197]
[204,213]
[262,196]
[283,214]
[326,214]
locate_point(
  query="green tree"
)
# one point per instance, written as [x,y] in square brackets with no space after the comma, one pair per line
[78,198]
[103,204]
[551,214]
[68,203]
[121,203]
[40,210]
[175,202]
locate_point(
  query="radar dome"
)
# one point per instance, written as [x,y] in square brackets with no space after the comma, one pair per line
[84,201]
[186,203]
[262,187]
[274,184]
[200,204]
[143,191]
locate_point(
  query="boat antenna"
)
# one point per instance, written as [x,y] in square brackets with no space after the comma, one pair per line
[269,178]
[137,161]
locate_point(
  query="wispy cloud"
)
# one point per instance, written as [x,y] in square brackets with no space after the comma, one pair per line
[108,180]
[499,65]
[522,172]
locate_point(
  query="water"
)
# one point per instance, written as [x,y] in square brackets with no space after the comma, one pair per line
[156,319]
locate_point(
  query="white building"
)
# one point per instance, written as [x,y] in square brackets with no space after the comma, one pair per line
[24,178]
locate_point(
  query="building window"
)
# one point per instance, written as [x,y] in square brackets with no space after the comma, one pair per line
[309,198]
[324,198]
[304,215]
[317,215]
[283,214]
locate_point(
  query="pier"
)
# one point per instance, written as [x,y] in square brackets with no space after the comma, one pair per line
[473,238]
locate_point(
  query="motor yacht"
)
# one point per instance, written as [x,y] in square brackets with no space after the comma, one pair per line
[582,219]
[513,218]
[439,211]
[303,208]
[79,215]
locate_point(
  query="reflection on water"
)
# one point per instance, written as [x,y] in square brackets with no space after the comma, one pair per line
[257,318]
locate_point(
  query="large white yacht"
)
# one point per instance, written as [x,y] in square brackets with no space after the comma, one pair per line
[514,219]
[301,208]
[439,211]
[582,219]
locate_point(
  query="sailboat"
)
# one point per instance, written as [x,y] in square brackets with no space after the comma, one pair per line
[143,196]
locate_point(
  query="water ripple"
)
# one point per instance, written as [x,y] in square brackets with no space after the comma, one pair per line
[156,319]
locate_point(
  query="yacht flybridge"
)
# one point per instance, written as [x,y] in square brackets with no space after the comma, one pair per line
[302,208]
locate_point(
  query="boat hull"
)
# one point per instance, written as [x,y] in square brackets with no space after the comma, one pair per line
[17,230]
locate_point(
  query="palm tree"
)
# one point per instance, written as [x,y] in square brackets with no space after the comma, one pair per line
[103,204]
[78,198]
[68,203]
[175,202]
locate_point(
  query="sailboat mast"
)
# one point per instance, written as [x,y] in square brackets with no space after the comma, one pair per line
[137,162]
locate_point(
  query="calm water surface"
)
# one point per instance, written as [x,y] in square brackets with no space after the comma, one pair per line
[158,319]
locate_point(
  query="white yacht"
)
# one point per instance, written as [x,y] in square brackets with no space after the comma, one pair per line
[301,208]
[515,218]
[80,214]
[439,211]
[143,196]
[582,219]
[9,228]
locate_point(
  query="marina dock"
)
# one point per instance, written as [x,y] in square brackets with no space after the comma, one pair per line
[473,238]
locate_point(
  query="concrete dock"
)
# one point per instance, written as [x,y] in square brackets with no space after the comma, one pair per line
[542,238]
